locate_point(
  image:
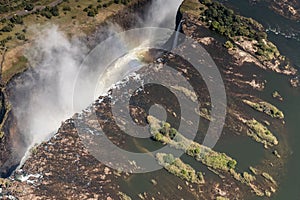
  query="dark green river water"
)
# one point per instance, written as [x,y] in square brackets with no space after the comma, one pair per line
[289,185]
[247,152]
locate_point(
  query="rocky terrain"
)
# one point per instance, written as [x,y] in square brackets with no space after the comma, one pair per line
[287,8]
[63,168]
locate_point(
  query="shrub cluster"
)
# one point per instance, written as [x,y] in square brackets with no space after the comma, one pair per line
[227,23]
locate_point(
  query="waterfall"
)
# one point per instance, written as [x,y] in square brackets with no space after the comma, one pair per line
[177,34]
[41,111]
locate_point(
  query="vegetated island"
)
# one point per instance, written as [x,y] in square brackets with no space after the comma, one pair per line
[163,132]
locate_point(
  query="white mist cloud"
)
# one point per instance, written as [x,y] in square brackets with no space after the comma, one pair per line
[162,13]
[43,101]
[55,60]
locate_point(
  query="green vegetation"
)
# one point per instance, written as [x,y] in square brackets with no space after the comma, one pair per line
[50,11]
[66,8]
[68,15]
[192,7]
[16,19]
[260,133]
[244,177]
[205,113]
[163,132]
[20,36]
[8,28]
[267,50]
[10,6]
[28,6]
[234,27]
[91,11]
[267,108]
[228,44]
[247,179]
[215,161]
[17,67]
[179,168]
[218,160]
[227,23]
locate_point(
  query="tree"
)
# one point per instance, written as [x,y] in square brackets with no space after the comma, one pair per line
[54,11]
[21,37]
[7,28]
[158,136]
[29,6]
[66,8]
[16,19]
[261,35]
[232,164]
[172,133]
[215,25]
[228,45]
[196,151]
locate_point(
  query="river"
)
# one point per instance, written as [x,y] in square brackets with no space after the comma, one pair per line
[290,47]
[286,35]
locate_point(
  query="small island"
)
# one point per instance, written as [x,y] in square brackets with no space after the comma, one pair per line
[266,107]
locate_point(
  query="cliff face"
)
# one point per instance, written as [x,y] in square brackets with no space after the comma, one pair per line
[10,141]
[3,138]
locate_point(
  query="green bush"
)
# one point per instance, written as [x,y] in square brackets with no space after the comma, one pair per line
[158,136]
[232,164]
[227,23]
[179,168]
[49,12]
[21,37]
[16,19]
[228,45]
[66,8]
[7,28]
[91,14]
[29,6]
[54,11]
[91,11]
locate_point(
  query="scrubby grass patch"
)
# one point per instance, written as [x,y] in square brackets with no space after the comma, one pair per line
[179,168]
[266,107]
